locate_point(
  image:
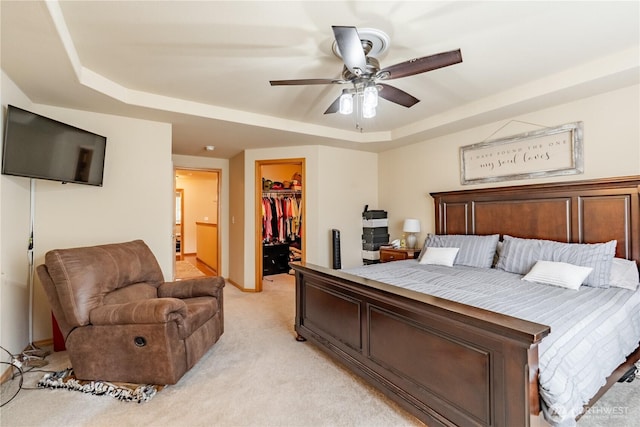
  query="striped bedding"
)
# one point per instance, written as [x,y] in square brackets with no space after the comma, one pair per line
[592,329]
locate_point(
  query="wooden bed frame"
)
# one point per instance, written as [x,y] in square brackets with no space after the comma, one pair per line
[449,363]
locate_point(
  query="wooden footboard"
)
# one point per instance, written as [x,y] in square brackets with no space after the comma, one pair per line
[446,363]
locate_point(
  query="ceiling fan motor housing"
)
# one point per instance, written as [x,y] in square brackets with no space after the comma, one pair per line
[373,66]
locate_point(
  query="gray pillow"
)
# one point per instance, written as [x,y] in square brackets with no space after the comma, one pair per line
[475,251]
[520,255]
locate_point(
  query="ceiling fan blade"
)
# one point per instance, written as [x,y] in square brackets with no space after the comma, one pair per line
[303,82]
[420,65]
[350,48]
[334,107]
[396,95]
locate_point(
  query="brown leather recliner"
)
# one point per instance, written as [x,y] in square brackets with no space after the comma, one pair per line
[121,321]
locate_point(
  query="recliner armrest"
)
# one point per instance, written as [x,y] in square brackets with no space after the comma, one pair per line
[191,288]
[158,310]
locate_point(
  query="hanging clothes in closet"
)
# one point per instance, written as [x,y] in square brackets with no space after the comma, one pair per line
[281,218]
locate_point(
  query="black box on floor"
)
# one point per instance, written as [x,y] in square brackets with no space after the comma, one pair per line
[275,259]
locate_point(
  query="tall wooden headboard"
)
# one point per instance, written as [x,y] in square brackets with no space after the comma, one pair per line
[589,211]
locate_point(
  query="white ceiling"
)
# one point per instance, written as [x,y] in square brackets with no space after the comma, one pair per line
[205,66]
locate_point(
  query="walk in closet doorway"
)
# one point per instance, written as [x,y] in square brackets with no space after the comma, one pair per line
[197,227]
[280,216]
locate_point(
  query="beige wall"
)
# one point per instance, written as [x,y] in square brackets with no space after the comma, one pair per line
[135,202]
[611,148]
[346,183]
[14,231]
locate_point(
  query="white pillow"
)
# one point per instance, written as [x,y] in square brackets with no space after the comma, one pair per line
[558,274]
[439,256]
[624,274]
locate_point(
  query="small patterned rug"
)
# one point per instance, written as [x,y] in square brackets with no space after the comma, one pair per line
[186,270]
[122,391]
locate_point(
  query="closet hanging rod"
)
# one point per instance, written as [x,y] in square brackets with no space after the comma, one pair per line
[281,192]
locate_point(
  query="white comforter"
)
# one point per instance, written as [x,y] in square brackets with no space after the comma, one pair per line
[592,330]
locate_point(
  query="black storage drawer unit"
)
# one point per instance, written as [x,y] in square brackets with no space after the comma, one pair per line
[275,259]
[375,238]
[373,246]
[375,231]
[374,214]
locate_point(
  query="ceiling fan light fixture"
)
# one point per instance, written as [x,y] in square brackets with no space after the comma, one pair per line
[368,111]
[370,96]
[346,103]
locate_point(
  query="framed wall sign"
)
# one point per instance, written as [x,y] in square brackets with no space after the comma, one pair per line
[540,153]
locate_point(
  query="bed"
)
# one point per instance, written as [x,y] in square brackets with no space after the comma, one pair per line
[450,363]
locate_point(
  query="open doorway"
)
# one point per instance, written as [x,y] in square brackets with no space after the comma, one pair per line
[197,227]
[280,221]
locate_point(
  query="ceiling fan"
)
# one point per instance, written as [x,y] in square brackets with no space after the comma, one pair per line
[362,70]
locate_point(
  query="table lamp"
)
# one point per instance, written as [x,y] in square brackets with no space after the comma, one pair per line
[411,226]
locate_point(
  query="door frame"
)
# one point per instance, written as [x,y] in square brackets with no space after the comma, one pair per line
[219,209]
[179,255]
[258,211]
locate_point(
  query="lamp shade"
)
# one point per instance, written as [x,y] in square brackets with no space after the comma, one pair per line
[411,226]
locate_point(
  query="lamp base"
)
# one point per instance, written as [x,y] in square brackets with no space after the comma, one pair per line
[411,241]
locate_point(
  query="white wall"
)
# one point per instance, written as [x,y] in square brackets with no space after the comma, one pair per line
[14,232]
[611,148]
[347,182]
[207,163]
[337,184]
[135,202]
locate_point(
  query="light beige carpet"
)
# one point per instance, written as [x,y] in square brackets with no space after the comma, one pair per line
[256,375]
[186,270]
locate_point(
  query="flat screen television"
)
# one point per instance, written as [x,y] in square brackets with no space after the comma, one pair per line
[35,146]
